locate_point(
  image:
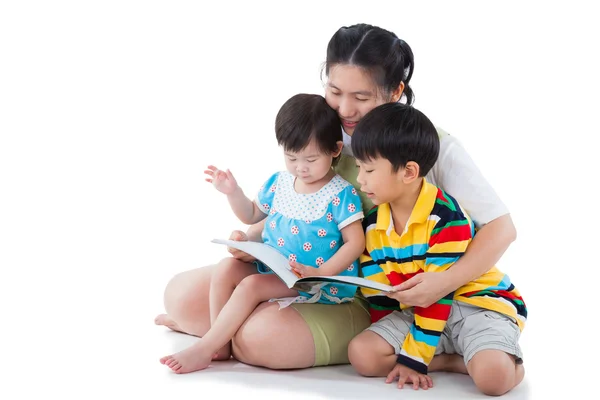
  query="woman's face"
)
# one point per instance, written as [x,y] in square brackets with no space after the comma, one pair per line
[352,93]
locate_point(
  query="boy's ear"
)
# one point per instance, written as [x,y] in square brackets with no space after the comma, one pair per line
[339,144]
[411,172]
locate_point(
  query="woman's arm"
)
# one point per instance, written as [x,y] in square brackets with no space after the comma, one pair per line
[455,172]
[488,245]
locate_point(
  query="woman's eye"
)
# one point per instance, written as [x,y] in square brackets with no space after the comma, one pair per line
[292,159]
[361,99]
[311,160]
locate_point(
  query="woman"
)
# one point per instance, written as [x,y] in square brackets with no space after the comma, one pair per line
[366,66]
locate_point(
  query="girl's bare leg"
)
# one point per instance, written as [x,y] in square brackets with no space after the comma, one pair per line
[228,275]
[247,295]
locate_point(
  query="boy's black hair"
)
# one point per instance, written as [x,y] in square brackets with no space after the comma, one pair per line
[305,117]
[398,133]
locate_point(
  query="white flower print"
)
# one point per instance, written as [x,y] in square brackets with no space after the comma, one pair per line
[336,201]
[272,224]
[295,230]
[351,207]
[280,242]
[273,188]
[333,290]
[329,217]
[266,206]
[354,191]
[292,257]
[351,267]
[332,244]
[272,211]
[322,232]
[320,261]
[307,246]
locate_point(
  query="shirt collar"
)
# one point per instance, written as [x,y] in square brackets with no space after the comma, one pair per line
[420,213]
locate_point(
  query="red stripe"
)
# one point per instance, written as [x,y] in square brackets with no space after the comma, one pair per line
[396,278]
[435,311]
[451,234]
[376,315]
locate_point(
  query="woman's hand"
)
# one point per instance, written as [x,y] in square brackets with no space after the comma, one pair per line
[422,290]
[223,181]
[239,236]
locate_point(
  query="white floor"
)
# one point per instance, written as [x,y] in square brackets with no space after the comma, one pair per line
[334,382]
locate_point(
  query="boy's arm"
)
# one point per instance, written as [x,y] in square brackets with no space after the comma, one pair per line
[448,242]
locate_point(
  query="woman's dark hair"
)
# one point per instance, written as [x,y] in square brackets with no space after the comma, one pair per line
[398,133]
[386,58]
[305,117]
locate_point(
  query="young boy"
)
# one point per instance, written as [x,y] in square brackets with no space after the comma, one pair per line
[414,228]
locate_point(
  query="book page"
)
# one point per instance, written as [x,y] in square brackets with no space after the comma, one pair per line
[352,280]
[268,255]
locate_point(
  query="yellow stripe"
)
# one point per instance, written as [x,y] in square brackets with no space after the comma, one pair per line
[430,324]
[418,349]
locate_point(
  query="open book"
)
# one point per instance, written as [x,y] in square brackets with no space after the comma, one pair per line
[280,265]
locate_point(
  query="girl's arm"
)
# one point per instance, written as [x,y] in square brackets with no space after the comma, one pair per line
[353,247]
[244,208]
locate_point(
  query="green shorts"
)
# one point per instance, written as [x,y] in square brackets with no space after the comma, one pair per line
[333,326]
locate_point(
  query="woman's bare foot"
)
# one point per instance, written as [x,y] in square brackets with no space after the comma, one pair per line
[194,358]
[224,353]
[165,320]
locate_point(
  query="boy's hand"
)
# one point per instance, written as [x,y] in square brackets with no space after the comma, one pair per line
[407,375]
[302,270]
[223,181]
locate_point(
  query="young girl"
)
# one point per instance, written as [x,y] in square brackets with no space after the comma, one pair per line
[313,217]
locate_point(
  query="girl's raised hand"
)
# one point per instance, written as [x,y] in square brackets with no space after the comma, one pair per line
[223,181]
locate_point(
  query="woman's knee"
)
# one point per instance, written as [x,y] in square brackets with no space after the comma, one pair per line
[493,371]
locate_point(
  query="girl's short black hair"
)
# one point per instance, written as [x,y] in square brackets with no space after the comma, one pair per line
[399,133]
[305,117]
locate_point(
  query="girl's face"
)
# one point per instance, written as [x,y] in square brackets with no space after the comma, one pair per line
[310,165]
[352,93]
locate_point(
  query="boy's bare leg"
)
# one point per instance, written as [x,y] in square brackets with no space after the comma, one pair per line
[371,355]
[247,295]
[448,363]
[230,272]
[495,372]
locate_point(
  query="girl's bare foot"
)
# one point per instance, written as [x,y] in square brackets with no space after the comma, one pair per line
[164,319]
[194,358]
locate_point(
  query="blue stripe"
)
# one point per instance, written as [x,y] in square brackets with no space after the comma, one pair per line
[371,270]
[503,285]
[439,261]
[423,337]
[405,252]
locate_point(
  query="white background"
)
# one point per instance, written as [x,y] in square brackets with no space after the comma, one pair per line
[109,112]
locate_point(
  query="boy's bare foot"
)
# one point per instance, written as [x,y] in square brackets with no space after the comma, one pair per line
[448,363]
[164,319]
[194,358]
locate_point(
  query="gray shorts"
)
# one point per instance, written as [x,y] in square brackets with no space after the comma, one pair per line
[469,329]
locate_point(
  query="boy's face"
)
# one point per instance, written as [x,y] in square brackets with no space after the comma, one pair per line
[379,181]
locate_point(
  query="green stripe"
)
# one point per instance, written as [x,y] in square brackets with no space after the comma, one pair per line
[447,302]
[376,307]
[449,224]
